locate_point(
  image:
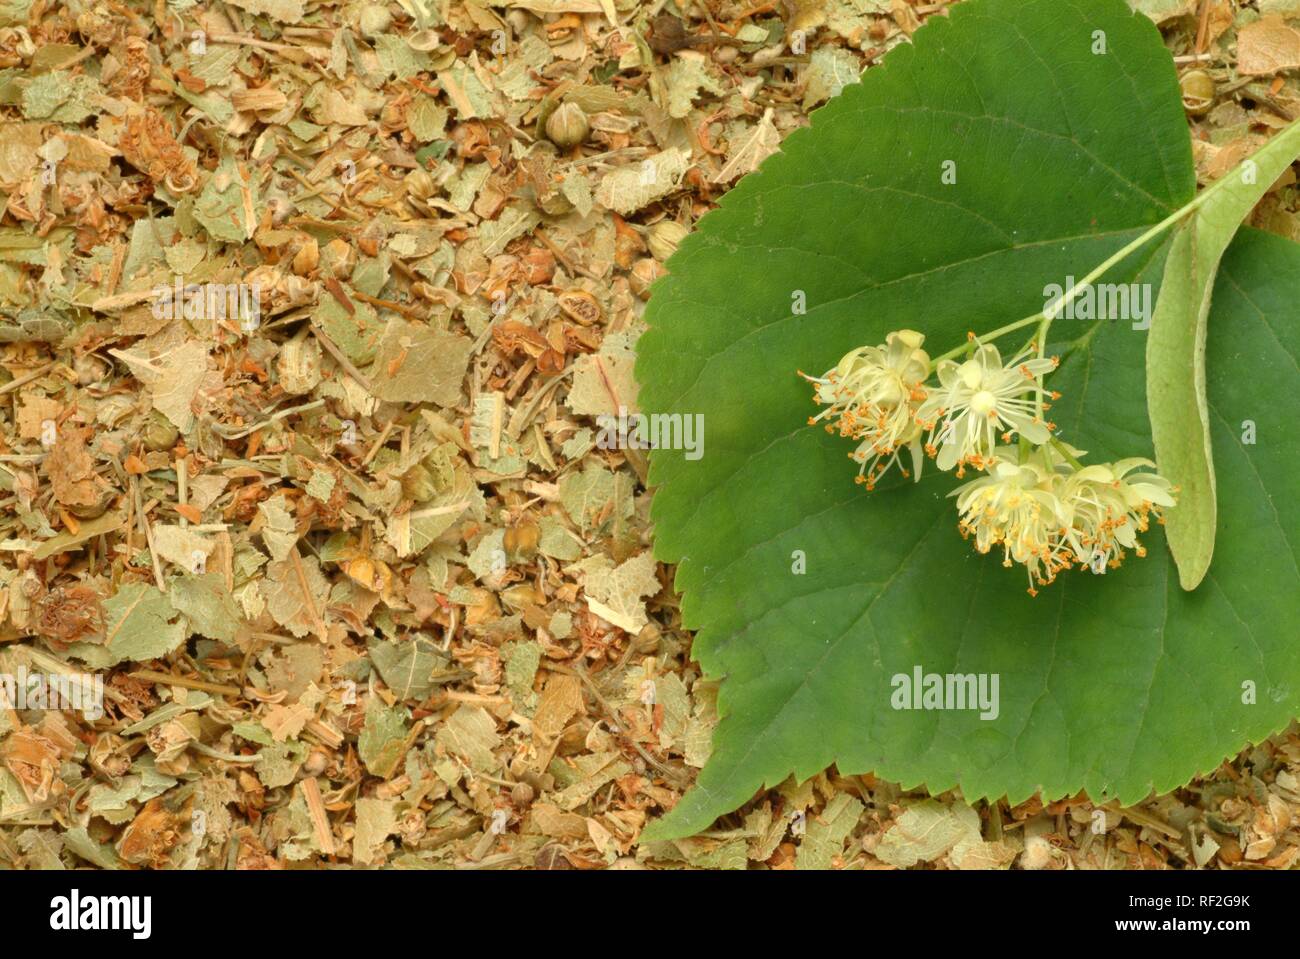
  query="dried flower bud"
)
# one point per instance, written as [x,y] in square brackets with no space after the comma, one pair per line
[316,763]
[643,273]
[567,126]
[374,20]
[307,258]
[372,239]
[281,208]
[420,184]
[299,366]
[521,540]
[339,258]
[90,369]
[664,237]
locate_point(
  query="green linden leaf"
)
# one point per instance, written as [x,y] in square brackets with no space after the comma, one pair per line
[945,193]
[1180,420]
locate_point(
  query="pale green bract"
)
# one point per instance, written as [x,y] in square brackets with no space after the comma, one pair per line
[1180,416]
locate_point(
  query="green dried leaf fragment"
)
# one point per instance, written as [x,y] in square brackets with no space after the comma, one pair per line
[42,847]
[60,97]
[514,222]
[407,667]
[321,485]
[522,660]
[587,496]
[398,59]
[226,206]
[426,119]
[140,623]
[1162,10]
[216,67]
[173,378]
[488,559]
[471,734]
[283,11]
[382,742]
[279,529]
[556,541]
[79,841]
[617,594]
[417,364]
[376,821]
[824,839]
[470,98]
[628,189]
[278,764]
[603,383]
[207,605]
[830,70]
[928,830]
[86,531]
[356,334]
[687,75]
[285,600]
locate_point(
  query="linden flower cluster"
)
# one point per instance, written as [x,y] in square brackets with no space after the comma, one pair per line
[1035,500]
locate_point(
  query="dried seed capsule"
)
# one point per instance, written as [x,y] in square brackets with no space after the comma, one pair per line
[567,126]
[159,433]
[580,306]
[93,510]
[522,794]
[1198,92]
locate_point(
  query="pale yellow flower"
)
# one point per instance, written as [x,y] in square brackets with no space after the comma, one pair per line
[1104,509]
[872,396]
[1015,506]
[979,400]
